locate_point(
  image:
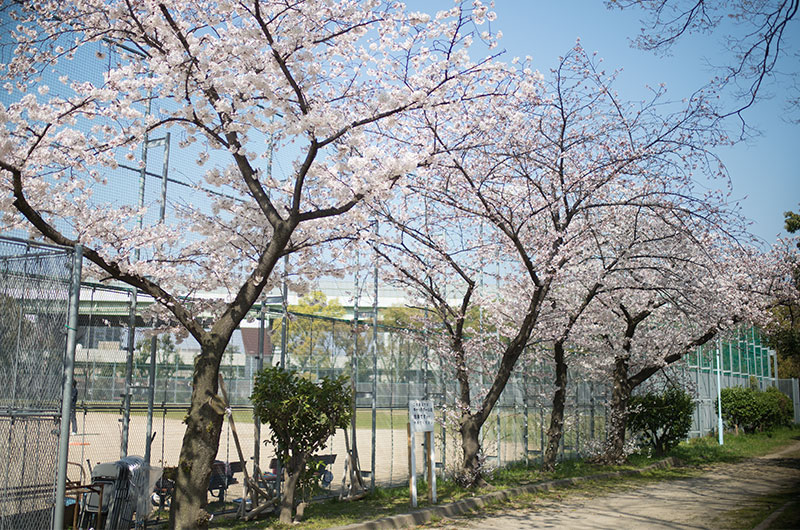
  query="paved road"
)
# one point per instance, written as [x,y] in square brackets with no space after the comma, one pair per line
[691,503]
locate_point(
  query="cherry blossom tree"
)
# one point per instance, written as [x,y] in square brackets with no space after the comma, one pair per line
[627,164]
[436,255]
[543,172]
[330,84]
[684,288]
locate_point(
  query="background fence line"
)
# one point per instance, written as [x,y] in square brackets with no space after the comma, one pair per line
[34,290]
[321,346]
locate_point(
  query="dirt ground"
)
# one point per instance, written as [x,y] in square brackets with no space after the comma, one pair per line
[99,434]
[697,502]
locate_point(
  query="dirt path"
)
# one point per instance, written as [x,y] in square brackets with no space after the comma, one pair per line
[687,503]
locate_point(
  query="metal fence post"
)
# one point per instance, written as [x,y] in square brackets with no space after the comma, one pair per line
[126,400]
[374,370]
[354,368]
[259,366]
[525,415]
[151,395]
[66,400]
[591,410]
[719,390]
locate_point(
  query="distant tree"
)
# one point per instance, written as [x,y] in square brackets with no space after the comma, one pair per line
[12,328]
[402,350]
[227,355]
[309,340]
[792,223]
[403,317]
[167,357]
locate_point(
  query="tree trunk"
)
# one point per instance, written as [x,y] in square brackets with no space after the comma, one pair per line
[290,479]
[615,433]
[468,424]
[471,449]
[556,430]
[200,443]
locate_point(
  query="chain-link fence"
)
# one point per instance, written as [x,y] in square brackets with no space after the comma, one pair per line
[396,361]
[390,362]
[34,296]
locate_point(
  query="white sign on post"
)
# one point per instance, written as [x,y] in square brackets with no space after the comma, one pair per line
[421,419]
[420,415]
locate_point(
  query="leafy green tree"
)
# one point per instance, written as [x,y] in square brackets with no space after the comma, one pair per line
[792,223]
[309,340]
[411,318]
[302,415]
[401,351]
[228,368]
[12,326]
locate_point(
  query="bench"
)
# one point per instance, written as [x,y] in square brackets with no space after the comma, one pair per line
[268,478]
[222,476]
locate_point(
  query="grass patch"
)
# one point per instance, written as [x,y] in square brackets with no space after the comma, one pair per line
[790,515]
[760,508]
[706,450]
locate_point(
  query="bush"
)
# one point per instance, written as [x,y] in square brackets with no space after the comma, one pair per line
[663,420]
[777,409]
[740,408]
[752,410]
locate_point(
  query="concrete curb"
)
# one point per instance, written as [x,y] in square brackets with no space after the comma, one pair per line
[425,515]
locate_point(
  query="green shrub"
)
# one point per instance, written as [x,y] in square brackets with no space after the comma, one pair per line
[740,407]
[776,409]
[663,420]
[302,414]
[753,410]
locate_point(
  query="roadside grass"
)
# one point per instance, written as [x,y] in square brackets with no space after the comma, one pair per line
[759,508]
[696,455]
[790,516]
[706,450]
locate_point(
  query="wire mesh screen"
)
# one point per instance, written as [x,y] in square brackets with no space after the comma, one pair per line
[396,363]
[34,295]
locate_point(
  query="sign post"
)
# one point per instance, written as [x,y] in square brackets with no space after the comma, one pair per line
[421,419]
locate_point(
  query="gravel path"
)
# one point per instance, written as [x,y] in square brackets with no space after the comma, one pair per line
[687,503]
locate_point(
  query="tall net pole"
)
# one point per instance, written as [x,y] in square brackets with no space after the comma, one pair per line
[126,399]
[374,365]
[354,368]
[66,400]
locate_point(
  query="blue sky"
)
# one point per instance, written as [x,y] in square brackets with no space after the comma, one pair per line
[763,170]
